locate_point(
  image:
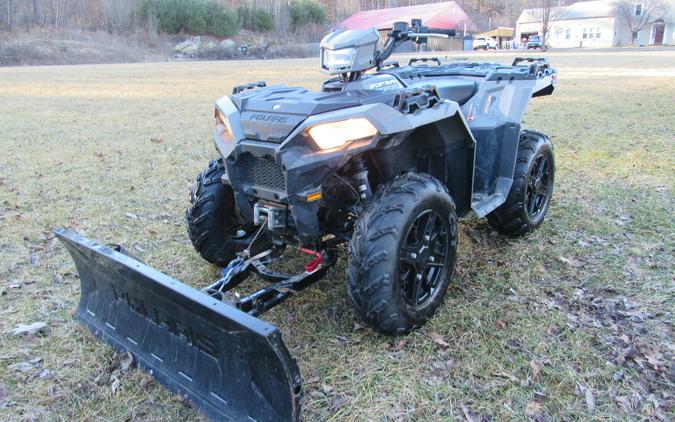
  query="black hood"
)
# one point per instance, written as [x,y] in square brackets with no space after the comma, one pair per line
[271,113]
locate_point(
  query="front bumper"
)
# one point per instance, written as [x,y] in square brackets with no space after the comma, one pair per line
[259,171]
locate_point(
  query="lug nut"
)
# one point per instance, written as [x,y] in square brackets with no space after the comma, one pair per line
[427,237]
[413,255]
[419,276]
[432,259]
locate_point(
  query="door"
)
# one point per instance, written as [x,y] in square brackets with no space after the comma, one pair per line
[658,34]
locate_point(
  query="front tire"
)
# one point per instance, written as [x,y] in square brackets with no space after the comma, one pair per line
[402,254]
[532,189]
[211,221]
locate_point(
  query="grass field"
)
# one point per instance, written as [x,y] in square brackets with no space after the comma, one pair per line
[574,322]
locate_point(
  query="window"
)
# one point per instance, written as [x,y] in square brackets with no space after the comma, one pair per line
[597,32]
[567,34]
[638,9]
[585,34]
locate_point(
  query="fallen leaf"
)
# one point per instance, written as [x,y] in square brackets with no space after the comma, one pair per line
[494,384]
[536,368]
[338,401]
[571,262]
[115,385]
[511,377]
[126,360]
[34,260]
[156,140]
[469,415]
[590,400]
[312,380]
[628,353]
[654,358]
[131,216]
[438,339]
[327,389]
[30,329]
[399,345]
[533,409]
[3,392]
[500,325]
[628,404]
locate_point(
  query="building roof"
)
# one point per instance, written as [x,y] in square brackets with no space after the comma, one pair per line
[500,31]
[579,10]
[446,15]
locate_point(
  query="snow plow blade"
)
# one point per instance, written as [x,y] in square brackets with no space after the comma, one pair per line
[229,364]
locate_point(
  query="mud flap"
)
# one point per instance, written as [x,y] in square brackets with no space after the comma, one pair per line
[230,365]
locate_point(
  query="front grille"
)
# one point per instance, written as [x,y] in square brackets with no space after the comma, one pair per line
[261,171]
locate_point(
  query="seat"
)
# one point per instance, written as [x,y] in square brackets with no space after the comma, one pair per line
[456,89]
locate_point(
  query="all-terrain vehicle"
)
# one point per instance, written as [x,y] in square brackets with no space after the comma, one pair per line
[384,160]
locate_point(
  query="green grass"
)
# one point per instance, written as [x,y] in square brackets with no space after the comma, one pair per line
[532,321]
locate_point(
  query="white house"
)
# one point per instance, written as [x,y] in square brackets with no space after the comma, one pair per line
[593,24]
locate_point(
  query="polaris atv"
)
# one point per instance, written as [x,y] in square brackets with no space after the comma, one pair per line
[384,160]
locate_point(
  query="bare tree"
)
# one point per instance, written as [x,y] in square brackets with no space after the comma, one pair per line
[639,13]
[37,13]
[548,13]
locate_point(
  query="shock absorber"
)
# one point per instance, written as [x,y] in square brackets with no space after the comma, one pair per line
[361,176]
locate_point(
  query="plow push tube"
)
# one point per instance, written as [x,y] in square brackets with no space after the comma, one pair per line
[230,365]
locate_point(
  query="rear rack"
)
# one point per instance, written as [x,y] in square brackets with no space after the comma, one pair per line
[424,60]
[390,63]
[538,65]
[252,85]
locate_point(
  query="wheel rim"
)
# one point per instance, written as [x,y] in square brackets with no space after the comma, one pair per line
[538,187]
[423,256]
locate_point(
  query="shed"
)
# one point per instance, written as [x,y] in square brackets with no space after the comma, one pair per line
[502,34]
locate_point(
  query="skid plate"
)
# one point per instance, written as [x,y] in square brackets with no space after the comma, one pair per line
[230,365]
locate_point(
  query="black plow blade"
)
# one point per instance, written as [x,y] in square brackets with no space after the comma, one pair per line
[230,365]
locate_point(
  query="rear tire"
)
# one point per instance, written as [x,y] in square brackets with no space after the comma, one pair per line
[402,254]
[210,217]
[532,189]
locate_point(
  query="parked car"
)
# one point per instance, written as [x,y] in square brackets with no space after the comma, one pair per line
[534,42]
[484,43]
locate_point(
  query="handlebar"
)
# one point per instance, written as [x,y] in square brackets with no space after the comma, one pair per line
[402,32]
[446,32]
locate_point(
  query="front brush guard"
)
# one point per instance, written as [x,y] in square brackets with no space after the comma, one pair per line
[231,365]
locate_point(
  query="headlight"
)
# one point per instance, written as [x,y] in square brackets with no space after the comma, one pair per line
[222,128]
[336,134]
[338,59]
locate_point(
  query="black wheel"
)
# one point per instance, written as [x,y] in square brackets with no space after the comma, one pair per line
[530,196]
[212,226]
[402,254]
